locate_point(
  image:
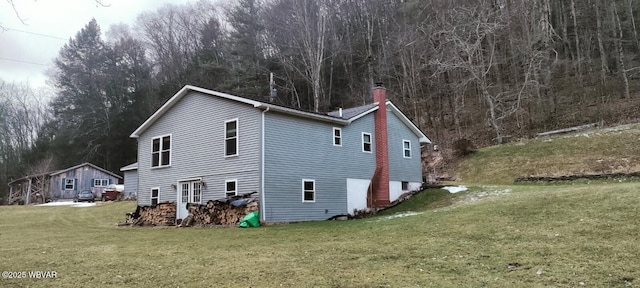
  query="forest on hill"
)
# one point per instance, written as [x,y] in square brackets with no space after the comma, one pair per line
[489,71]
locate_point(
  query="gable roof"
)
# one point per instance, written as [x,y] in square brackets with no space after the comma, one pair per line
[348,115]
[86,164]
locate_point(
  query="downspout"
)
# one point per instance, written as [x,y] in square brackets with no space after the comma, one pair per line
[262,197]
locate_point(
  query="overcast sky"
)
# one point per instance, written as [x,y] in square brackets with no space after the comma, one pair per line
[27,49]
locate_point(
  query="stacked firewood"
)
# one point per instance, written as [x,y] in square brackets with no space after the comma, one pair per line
[163,214]
[227,211]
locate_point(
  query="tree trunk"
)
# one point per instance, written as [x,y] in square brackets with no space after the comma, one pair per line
[623,70]
[603,56]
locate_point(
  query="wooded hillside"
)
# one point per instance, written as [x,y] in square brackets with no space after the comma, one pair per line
[490,71]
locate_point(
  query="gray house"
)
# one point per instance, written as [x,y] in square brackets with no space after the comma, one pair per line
[62,184]
[203,145]
[86,176]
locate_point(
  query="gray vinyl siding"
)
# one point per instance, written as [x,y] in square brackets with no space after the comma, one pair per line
[130,182]
[296,149]
[196,126]
[83,176]
[400,168]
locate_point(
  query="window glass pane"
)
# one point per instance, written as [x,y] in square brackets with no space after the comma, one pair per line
[166,143]
[308,185]
[155,159]
[165,158]
[336,132]
[367,146]
[231,147]
[336,141]
[154,193]
[407,145]
[366,138]
[156,145]
[231,186]
[308,196]
[407,153]
[231,129]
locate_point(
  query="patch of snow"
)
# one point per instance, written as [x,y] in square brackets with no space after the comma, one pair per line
[69,203]
[401,215]
[455,189]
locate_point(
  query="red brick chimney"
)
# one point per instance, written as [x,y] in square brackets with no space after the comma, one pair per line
[381,176]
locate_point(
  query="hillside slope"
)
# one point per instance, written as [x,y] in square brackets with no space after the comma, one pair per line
[609,150]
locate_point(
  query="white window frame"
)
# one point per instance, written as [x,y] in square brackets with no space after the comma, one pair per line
[405,149]
[100,182]
[314,190]
[66,183]
[157,196]
[237,137]
[161,137]
[226,192]
[196,196]
[370,142]
[338,137]
[404,185]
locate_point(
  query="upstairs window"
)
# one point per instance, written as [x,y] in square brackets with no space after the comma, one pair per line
[366,142]
[308,190]
[231,187]
[337,136]
[161,151]
[231,138]
[406,148]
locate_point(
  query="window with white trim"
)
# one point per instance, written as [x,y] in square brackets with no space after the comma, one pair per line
[231,187]
[231,138]
[405,186]
[155,196]
[161,151]
[366,142]
[337,136]
[406,148]
[197,192]
[308,190]
[100,182]
[69,184]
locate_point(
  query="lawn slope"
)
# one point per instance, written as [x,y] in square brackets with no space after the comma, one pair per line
[612,150]
[553,236]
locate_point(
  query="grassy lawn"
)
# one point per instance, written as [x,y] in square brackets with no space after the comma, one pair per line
[558,235]
[597,151]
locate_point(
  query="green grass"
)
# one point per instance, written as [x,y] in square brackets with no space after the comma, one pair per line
[588,152]
[572,234]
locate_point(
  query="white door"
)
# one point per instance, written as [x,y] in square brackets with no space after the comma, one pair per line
[188,192]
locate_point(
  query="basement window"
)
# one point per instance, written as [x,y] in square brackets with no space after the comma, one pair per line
[308,190]
[155,196]
[337,136]
[366,142]
[405,186]
[231,187]
[406,148]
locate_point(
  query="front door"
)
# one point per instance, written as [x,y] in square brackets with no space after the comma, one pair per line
[188,192]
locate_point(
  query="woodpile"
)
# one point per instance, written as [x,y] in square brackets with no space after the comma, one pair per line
[228,211]
[163,214]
